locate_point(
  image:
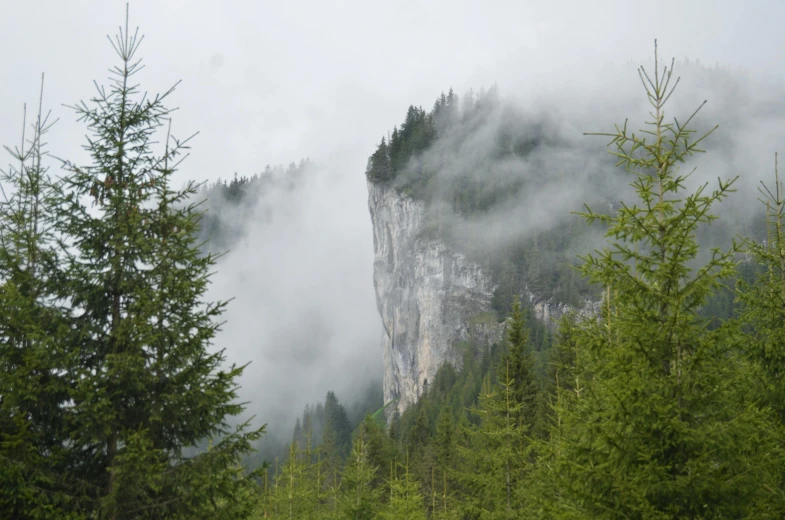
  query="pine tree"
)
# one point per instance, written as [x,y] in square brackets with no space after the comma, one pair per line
[521,367]
[764,306]
[420,431]
[406,502]
[297,435]
[444,440]
[295,495]
[33,381]
[380,446]
[444,503]
[359,499]
[147,384]
[765,300]
[380,167]
[653,426]
[495,459]
[336,436]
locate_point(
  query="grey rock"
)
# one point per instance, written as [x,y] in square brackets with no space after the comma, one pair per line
[431,300]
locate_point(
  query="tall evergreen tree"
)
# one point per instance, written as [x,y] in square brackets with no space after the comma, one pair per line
[406,502]
[337,432]
[34,380]
[295,494]
[653,427]
[764,308]
[521,369]
[444,440]
[765,300]
[494,459]
[359,499]
[147,384]
[380,168]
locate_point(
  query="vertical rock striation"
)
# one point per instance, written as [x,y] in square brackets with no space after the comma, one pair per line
[430,299]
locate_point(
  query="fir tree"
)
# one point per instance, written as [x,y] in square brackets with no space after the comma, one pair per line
[147,384]
[521,368]
[359,499]
[444,440]
[653,426]
[380,168]
[336,434]
[406,502]
[764,308]
[495,457]
[34,380]
[765,300]
[380,446]
[295,496]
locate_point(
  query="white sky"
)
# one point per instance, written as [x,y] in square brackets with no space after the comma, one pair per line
[270,82]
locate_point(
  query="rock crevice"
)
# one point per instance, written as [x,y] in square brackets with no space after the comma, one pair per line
[428,296]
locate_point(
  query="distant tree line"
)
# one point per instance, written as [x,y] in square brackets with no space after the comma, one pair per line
[229,205]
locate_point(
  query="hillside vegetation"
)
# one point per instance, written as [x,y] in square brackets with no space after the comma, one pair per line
[667,404]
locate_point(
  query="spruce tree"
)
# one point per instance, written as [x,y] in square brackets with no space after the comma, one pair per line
[764,308]
[765,300]
[359,499]
[521,369]
[495,459]
[336,435]
[445,505]
[444,441]
[147,383]
[659,423]
[380,446]
[34,380]
[406,502]
[295,496]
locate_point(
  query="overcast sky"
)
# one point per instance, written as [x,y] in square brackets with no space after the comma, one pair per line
[272,82]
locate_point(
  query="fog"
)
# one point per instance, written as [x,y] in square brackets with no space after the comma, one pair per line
[303,309]
[272,82]
[568,168]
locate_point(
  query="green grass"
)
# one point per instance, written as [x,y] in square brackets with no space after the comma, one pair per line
[378,415]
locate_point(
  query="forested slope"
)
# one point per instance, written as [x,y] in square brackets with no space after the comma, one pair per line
[666,403]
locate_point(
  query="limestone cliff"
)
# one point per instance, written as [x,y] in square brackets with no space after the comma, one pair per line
[430,299]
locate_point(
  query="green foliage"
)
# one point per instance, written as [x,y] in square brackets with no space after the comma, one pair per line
[405,502]
[337,432]
[661,405]
[765,299]
[658,405]
[417,133]
[764,314]
[518,368]
[359,498]
[653,425]
[297,493]
[124,367]
[33,383]
[493,458]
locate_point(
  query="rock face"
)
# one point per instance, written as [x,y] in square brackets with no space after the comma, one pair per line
[430,299]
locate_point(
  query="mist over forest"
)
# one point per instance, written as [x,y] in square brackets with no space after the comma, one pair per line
[378,262]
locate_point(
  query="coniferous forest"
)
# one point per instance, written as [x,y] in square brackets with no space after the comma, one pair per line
[666,401]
